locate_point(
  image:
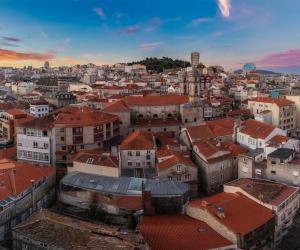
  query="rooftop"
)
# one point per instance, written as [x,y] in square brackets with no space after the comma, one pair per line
[58,231]
[124,185]
[256,129]
[163,100]
[179,232]
[138,140]
[269,192]
[282,153]
[176,158]
[16,177]
[240,214]
[279,102]
[101,159]
[116,106]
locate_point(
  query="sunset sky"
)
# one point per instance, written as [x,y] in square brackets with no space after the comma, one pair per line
[225,32]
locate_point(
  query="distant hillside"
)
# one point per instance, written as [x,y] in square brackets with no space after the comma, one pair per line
[260,71]
[160,64]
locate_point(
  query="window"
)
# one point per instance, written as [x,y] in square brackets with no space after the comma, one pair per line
[35,144]
[178,167]
[62,130]
[273,172]
[137,153]
[129,153]
[45,145]
[62,138]
[129,163]
[178,178]
[273,162]
[137,164]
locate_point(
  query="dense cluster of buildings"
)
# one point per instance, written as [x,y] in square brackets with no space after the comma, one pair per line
[191,158]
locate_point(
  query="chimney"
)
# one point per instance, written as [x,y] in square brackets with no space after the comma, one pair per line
[11,173]
[147,201]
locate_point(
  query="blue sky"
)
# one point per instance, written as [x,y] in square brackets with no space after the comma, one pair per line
[226,32]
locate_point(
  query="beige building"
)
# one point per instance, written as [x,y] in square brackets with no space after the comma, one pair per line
[215,163]
[137,154]
[178,166]
[283,111]
[294,97]
[283,165]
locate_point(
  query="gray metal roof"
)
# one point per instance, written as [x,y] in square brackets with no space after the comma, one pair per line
[124,185]
[254,153]
[282,153]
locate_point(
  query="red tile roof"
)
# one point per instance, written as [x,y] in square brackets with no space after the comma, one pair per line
[15,112]
[279,139]
[116,106]
[75,117]
[208,148]
[163,100]
[176,158]
[16,177]
[138,140]
[178,232]
[212,129]
[256,129]
[234,148]
[101,159]
[279,102]
[242,215]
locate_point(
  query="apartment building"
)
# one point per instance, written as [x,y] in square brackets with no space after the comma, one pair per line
[215,165]
[294,97]
[162,113]
[137,154]
[282,112]
[24,189]
[282,199]
[283,166]
[35,141]
[82,128]
[39,108]
[178,166]
[255,134]
[8,121]
[55,138]
[237,218]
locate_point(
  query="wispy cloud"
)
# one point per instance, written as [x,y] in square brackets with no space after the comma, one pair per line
[153,24]
[12,55]
[131,30]
[200,20]
[289,58]
[100,12]
[150,46]
[10,41]
[225,6]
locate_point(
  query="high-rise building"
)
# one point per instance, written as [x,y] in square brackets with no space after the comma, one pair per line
[46,65]
[195,59]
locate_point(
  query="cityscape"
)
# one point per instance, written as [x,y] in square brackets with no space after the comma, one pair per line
[149,125]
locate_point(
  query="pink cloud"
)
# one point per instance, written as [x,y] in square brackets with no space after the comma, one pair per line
[12,55]
[100,12]
[289,58]
[150,46]
[132,30]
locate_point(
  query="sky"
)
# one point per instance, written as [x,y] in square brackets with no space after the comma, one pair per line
[226,32]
